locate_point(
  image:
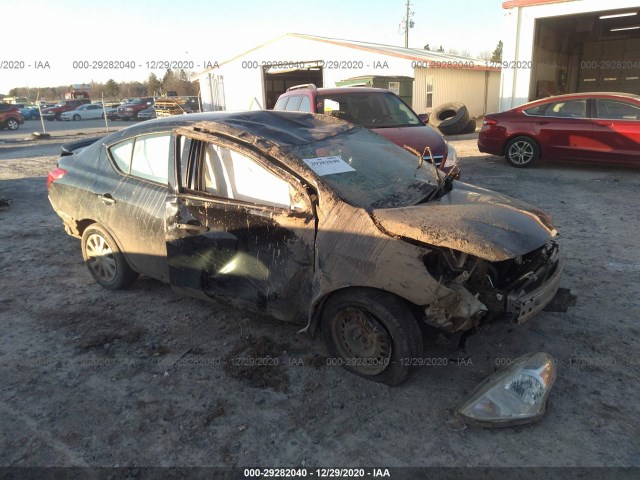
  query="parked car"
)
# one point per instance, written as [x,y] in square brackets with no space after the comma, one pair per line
[10,117]
[147,113]
[84,112]
[377,109]
[55,113]
[308,219]
[592,127]
[30,113]
[129,111]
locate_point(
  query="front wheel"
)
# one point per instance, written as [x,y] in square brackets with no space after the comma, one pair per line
[371,333]
[12,124]
[522,152]
[104,259]
[76,117]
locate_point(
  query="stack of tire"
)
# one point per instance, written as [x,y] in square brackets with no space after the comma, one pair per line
[452,119]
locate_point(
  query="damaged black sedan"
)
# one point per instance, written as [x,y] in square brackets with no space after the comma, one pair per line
[310,220]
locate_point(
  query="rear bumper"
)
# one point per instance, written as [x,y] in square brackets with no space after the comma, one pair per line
[491,140]
[523,306]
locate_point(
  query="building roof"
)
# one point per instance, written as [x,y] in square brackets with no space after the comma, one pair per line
[411,54]
[529,3]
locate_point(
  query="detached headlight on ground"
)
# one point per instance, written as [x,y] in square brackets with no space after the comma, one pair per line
[513,396]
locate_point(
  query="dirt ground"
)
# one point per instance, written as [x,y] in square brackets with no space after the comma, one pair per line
[146,377]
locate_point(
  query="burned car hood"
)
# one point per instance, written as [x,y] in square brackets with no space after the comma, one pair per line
[473,220]
[417,137]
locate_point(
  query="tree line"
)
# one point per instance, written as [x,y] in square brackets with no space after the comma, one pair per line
[153,87]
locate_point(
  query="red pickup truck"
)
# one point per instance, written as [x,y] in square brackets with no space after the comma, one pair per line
[129,111]
[53,113]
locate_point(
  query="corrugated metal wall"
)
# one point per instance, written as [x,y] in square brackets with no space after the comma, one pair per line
[478,90]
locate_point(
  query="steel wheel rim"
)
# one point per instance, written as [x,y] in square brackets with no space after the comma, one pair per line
[362,341]
[100,258]
[521,152]
[12,124]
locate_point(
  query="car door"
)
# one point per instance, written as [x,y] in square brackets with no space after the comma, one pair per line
[240,227]
[617,130]
[131,190]
[92,111]
[565,131]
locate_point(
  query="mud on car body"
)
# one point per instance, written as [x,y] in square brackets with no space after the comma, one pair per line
[308,219]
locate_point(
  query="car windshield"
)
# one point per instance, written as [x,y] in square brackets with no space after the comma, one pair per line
[371,110]
[368,171]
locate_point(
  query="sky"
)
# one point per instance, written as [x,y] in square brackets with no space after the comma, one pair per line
[54,35]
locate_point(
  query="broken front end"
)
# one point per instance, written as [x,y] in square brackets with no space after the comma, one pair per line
[479,290]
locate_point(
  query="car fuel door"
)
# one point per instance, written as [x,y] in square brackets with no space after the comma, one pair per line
[240,228]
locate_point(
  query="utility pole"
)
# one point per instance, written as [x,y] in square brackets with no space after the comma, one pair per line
[406,27]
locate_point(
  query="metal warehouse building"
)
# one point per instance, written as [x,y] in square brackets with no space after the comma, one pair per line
[255,79]
[567,46]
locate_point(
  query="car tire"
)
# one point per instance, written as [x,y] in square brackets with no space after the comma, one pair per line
[371,333]
[522,151]
[12,124]
[105,261]
[450,118]
[470,127]
[76,117]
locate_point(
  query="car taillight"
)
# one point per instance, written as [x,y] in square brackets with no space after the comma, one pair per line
[55,174]
[489,121]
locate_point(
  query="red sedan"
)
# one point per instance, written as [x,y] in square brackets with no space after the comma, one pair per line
[594,127]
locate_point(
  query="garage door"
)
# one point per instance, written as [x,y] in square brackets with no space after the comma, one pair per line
[610,66]
[277,79]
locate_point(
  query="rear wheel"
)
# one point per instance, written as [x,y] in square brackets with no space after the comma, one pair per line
[522,152]
[104,259]
[371,333]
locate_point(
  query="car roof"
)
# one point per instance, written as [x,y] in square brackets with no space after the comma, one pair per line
[280,127]
[334,90]
[578,96]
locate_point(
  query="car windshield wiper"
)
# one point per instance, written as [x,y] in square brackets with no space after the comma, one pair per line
[445,183]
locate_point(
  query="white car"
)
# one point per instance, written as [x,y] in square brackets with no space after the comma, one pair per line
[84,112]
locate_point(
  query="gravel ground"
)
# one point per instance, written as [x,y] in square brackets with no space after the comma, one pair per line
[146,377]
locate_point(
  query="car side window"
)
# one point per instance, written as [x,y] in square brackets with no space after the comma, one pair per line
[570,108]
[121,154]
[231,174]
[151,157]
[616,110]
[146,156]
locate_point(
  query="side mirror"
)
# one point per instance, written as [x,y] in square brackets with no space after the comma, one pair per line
[424,117]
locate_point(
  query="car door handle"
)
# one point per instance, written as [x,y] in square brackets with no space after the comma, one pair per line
[605,124]
[190,227]
[107,199]
[544,122]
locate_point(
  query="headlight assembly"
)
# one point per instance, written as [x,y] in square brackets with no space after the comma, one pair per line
[513,396]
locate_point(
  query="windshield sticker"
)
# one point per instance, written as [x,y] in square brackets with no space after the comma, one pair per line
[328,165]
